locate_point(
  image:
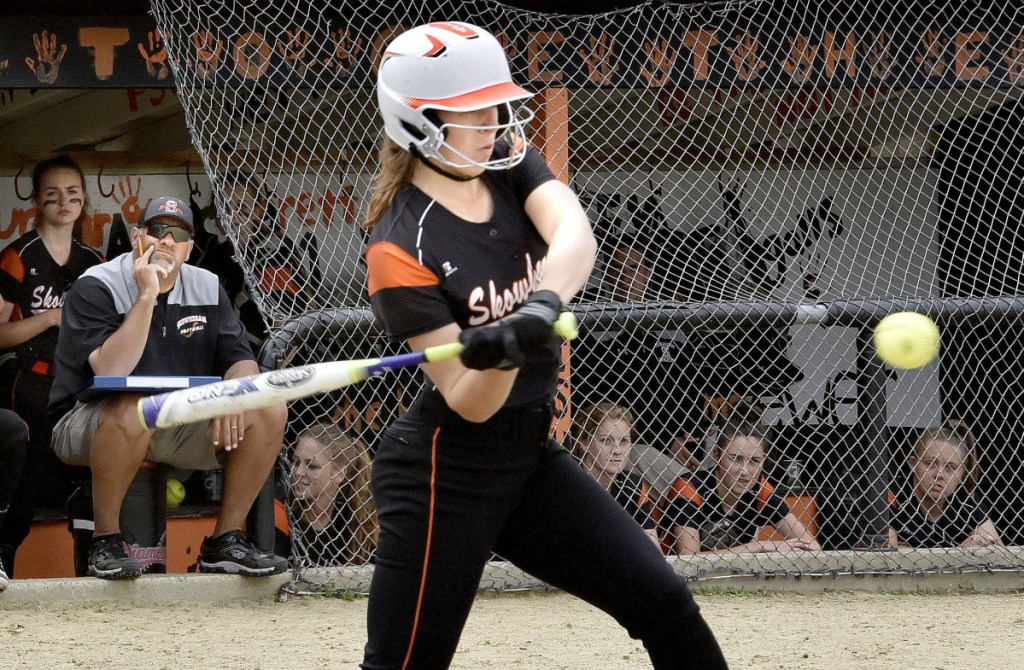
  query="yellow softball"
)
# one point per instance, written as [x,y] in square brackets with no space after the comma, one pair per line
[175,492]
[907,340]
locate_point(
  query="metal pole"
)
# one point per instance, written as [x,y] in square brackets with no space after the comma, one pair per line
[873,457]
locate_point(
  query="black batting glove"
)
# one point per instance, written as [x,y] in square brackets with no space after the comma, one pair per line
[506,344]
[488,347]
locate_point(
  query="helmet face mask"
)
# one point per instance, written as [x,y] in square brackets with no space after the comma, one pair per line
[452,67]
[512,131]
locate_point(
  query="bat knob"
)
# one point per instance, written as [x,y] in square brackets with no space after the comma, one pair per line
[149,409]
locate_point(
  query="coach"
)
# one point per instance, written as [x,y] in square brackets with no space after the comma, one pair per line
[146,312]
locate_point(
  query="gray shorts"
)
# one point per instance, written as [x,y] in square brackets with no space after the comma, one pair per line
[188,447]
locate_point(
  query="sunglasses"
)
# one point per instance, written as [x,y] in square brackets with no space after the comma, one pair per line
[161,230]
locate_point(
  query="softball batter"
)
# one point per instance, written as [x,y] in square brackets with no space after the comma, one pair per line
[473,239]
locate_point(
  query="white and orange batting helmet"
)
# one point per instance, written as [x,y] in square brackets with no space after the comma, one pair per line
[455,67]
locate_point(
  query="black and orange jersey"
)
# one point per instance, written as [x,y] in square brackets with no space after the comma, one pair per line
[427,267]
[959,520]
[693,502]
[33,282]
[630,490]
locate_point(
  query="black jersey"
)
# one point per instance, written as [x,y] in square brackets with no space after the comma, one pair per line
[960,519]
[427,268]
[328,546]
[694,502]
[33,282]
[194,331]
[630,490]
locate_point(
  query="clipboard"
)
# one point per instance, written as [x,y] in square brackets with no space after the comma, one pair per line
[106,384]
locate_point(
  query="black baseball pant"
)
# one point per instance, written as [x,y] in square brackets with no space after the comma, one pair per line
[449,493]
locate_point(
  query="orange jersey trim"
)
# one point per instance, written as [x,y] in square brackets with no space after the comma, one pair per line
[278,279]
[682,488]
[12,263]
[426,551]
[644,497]
[392,267]
[281,518]
[764,492]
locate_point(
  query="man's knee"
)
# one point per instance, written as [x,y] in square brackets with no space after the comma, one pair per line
[119,420]
[270,419]
[265,427]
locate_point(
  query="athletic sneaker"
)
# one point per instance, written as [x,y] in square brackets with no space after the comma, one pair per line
[4,579]
[109,560]
[231,553]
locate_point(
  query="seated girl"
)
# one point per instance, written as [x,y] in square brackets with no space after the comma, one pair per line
[335,521]
[724,509]
[602,440]
[939,508]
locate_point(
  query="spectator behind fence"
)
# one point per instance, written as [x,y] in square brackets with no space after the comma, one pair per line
[13,443]
[602,440]
[260,246]
[333,511]
[147,312]
[36,270]
[939,508]
[724,509]
[645,369]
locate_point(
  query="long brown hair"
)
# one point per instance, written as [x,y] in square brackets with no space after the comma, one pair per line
[396,168]
[957,433]
[61,162]
[350,453]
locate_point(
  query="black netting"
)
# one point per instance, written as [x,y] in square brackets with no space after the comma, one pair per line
[766,180]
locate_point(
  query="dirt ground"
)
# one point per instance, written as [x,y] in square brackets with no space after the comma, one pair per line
[850,631]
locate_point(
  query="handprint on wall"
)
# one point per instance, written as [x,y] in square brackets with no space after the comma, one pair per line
[799,64]
[129,200]
[661,58]
[767,259]
[745,57]
[345,54]
[293,50]
[155,56]
[208,50]
[47,62]
[598,60]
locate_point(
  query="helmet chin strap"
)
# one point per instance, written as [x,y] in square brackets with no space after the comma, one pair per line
[438,169]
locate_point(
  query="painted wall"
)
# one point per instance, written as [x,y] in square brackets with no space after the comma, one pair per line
[320,206]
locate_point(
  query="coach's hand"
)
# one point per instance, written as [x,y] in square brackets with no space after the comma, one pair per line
[506,344]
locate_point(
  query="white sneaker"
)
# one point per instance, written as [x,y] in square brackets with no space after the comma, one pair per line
[4,579]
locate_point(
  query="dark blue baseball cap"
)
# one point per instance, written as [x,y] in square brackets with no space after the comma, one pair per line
[168,206]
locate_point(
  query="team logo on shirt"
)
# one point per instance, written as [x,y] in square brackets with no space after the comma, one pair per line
[45,297]
[191,325]
[491,303]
